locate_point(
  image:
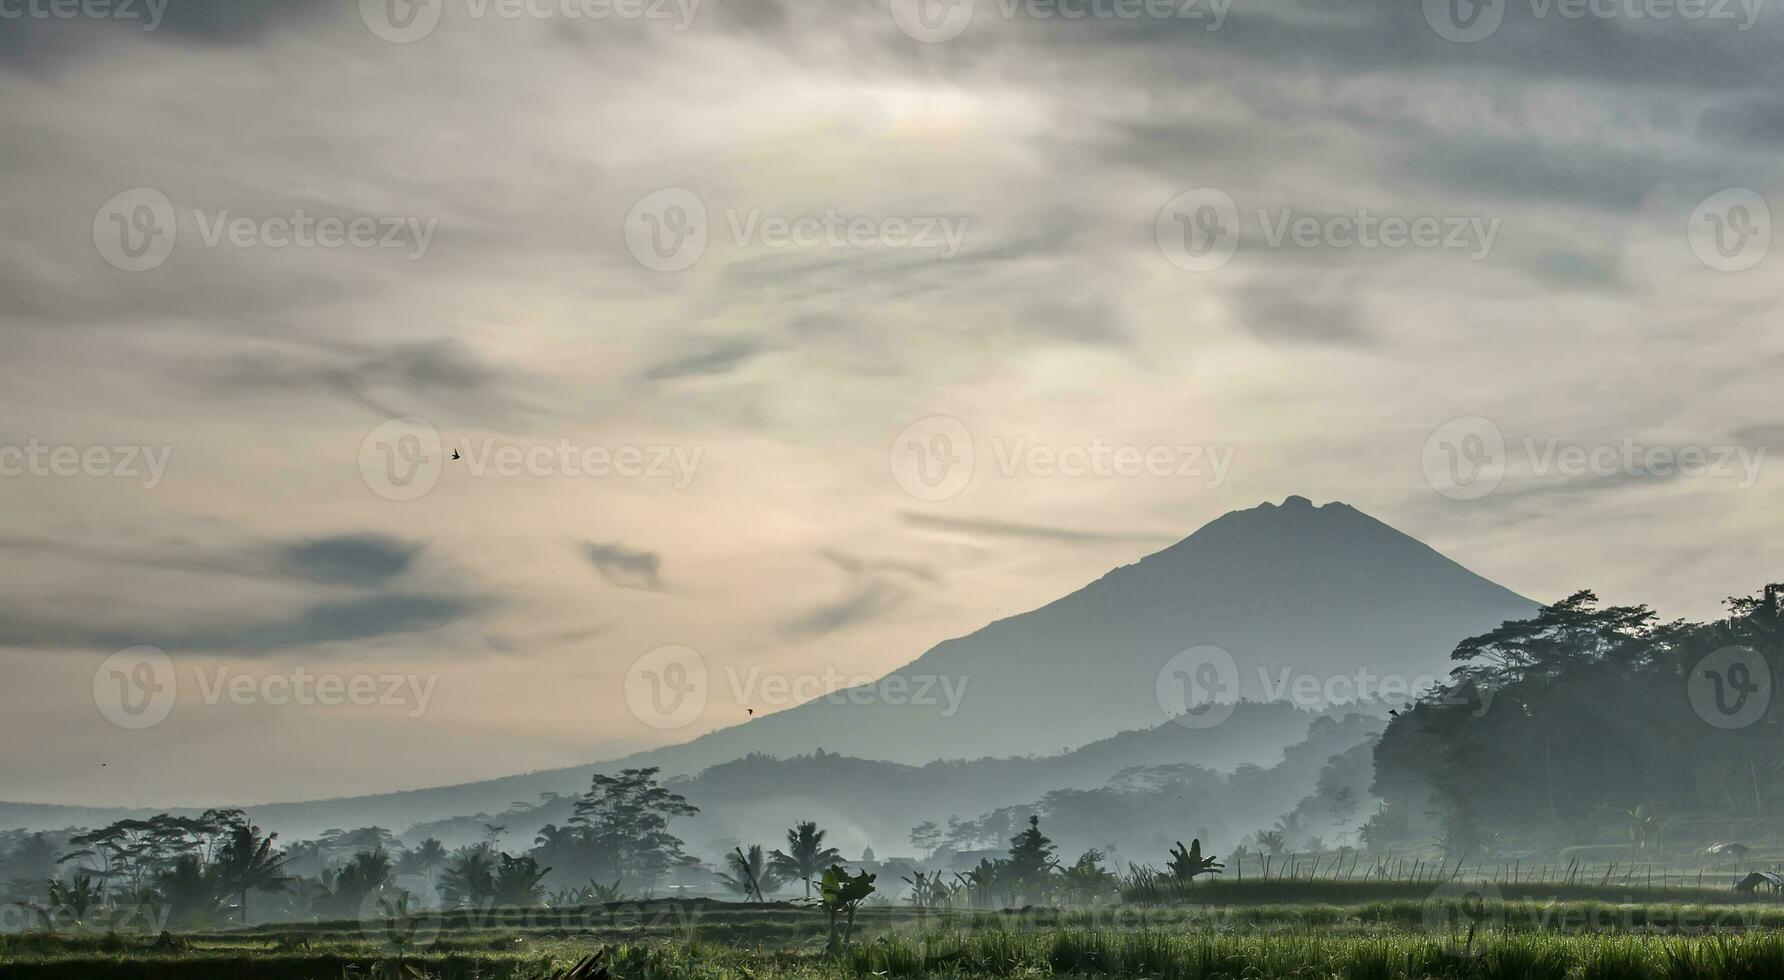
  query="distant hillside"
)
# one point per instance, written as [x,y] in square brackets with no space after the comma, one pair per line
[1289,591]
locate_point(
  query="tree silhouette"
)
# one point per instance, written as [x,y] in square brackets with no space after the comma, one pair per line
[247,861]
[806,857]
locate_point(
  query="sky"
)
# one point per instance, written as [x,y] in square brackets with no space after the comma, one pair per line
[806,335]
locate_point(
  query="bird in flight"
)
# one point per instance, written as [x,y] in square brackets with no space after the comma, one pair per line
[455,454]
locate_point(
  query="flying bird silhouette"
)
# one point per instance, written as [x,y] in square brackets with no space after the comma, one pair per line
[455,454]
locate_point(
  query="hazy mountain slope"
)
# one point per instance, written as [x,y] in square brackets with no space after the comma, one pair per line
[1320,591]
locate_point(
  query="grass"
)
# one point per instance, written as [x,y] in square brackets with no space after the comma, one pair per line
[1379,937]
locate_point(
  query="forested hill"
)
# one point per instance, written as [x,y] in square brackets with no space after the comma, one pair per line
[1588,725]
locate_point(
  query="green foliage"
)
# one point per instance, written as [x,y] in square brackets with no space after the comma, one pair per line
[842,895]
[1187,865]
[806,857]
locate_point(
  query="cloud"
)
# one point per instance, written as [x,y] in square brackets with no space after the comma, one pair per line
[350,559]
[869,601]
[316,624]
[1008,529]
[626,567]
[707,357]
[387,379]
[362,559]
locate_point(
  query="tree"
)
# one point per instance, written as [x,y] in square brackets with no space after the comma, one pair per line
[366,873]
[749,874]
[926,837]
[470,878]
[1271,841]
[806,857]
[1031,861]
[842,895]
[1087,881]
[247,861]
[425,859]
[1187,865]
[624,819]
[518,882]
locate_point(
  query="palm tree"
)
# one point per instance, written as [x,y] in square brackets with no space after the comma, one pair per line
[470,877]
[750,874]
[365,874]
[423,859]
[248,861]
[806,857]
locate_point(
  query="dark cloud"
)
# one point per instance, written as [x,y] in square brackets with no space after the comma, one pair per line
[1274,315]
[359,560]
[626,567]
[1006,529]
[1749,123]
[318,623]
[385,379]
[869,601]
[351,559]
[708,357]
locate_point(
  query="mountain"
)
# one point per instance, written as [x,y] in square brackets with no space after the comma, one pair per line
[1327,594]
[1319,592]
